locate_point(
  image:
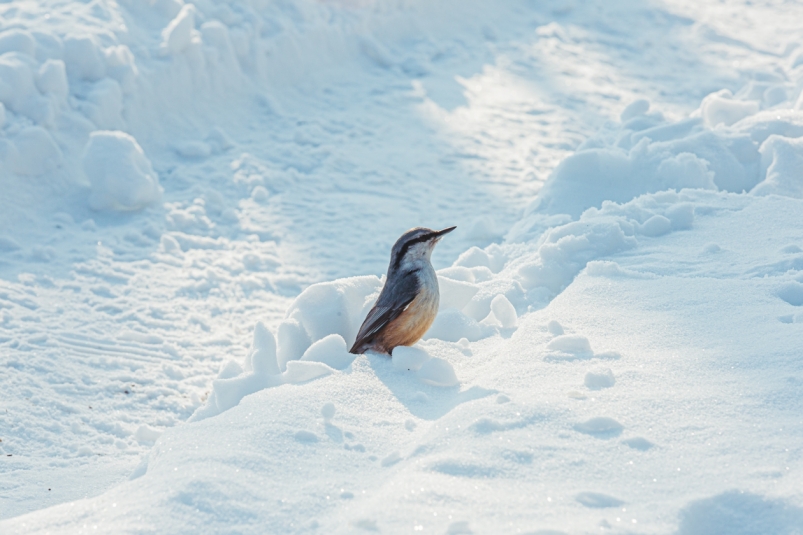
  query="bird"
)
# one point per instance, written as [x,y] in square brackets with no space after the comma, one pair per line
[408,302]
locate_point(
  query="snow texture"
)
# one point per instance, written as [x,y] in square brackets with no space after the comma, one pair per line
[198,201]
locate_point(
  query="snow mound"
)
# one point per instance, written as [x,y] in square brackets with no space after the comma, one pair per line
[120,175]
[452,325]
[409,358]
[323,309]
[748,142]
[437,372]
[312,342]
[781,161]
[330,350]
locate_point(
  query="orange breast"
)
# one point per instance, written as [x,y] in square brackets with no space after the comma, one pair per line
[411,324]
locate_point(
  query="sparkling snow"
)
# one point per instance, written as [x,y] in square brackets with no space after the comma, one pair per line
[198,202]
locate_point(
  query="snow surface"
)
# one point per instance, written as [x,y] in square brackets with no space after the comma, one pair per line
[198,201]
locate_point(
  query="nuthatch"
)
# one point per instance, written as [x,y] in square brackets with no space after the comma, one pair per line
[409,300]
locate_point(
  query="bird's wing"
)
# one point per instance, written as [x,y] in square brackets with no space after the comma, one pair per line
[393,300]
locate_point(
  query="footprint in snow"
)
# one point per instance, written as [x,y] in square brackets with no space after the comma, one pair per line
[791,318]
[518,457]
[328,411]
[600,427]
[391,459]
[460,468]
[638,443]
[484,426]
[597,500]
[307,437]
[333,432]
[792,293]
[459,528]
[366,524]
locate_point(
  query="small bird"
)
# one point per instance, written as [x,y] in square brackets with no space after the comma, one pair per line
[409,300]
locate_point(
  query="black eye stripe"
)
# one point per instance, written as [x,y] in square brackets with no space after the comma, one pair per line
[406,246]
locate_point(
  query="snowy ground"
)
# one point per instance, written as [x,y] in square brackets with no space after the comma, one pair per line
[614,353]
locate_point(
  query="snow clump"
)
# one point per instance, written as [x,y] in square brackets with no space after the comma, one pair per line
[120,175]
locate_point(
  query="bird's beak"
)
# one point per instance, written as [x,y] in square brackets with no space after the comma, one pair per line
[440,233]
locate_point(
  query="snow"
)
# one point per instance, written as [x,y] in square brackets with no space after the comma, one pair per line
[503,311]
[409,358]
[599,378]
[437,372]
[179,33]
[262,357]
[120,175]
[34,152]
[331,350]
[199,199]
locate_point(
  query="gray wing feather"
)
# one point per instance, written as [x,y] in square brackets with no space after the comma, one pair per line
[392,301]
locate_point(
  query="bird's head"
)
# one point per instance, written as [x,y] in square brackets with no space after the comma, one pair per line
[414,247]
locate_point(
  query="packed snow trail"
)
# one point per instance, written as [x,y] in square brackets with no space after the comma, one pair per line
[293,142]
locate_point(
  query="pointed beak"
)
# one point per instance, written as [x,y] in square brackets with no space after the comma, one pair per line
[441,233]
[445,231]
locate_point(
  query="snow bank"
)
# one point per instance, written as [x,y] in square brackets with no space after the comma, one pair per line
[313,341]
[323,309]
[56,90]
[63,80]
[731,143]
